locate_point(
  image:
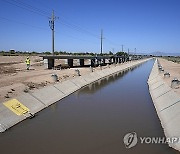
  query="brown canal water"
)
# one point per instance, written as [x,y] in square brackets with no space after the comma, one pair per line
[93,120]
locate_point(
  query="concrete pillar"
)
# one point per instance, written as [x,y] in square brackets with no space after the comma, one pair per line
[99,61]
[93,62]
[110,60]
[45,63]
[89,62]
[117,60]
[49,63]
[70,62]
[65,61]
[120,60]
[104,61]
[123,59]
[81,61]
[114,60]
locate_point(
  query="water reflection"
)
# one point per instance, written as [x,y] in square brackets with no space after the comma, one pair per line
[94,87]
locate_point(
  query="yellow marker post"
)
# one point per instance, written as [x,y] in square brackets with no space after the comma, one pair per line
[15,106]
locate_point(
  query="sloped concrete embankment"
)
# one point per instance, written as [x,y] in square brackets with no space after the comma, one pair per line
[167,104]
[39,99]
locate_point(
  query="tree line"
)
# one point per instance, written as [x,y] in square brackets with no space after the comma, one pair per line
[17,53]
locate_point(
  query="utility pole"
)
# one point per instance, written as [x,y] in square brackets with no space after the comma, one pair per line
[122,48]
[135,51]
[102,41]
[51,25]
[128,51]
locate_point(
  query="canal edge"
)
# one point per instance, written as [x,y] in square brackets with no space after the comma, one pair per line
[166,103]
[42,98]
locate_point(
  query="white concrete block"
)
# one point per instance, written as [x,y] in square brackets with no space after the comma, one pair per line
[79,81]
[160,91]
[156,85]
[31,102]
[8,118]
[167,100]
[67,87]
[48,95]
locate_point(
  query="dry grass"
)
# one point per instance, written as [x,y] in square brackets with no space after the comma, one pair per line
[173,59]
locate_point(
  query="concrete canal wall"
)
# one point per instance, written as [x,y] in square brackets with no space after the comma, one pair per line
[167,104]
[27,104]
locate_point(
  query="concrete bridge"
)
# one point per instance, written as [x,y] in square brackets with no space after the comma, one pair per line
[94,60]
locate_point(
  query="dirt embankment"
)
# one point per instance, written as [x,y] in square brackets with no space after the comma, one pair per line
[15,79]
[174,69]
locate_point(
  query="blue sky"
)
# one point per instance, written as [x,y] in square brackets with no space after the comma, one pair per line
[148,25]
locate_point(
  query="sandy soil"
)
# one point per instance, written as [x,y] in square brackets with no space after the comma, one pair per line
[173,69]
[15,79]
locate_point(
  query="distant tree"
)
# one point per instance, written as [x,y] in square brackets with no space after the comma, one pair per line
[110,53]
[34,52]
[122,54]
[64,53]
[2,52]
[56,53]
[92,54]
[12,51]
[47,52]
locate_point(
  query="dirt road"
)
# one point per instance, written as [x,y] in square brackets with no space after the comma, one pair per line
[173,69]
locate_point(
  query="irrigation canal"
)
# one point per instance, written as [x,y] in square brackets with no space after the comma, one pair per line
[93,120]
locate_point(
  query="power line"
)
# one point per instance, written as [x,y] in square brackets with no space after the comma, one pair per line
[118,45]
[25,7]
[17,22]
[64,21]
[76,38]
[42,28]
[77,28]
[41,12]
[45,14]
[44,5]
[31,7]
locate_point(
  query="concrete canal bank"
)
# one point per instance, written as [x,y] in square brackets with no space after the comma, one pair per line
[24,106]
[167,104]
